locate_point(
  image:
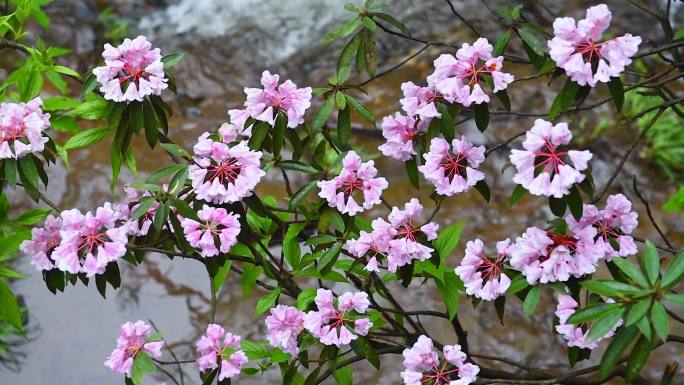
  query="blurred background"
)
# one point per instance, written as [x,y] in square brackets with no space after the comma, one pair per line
[228,43]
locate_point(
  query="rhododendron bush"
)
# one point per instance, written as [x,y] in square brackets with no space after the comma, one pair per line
[335,255]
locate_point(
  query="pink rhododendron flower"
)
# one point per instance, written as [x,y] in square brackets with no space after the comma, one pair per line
[407,243]
[483,276]
[613,226]
[217,231]
[451,169]
[545,167]
[356,182]
[90,241]
[43,242]
[579,50]
[419,102]
[133,339]
[576,335]
[331,323]
[543,256]
[422,365]
[460,79]
[216,347]
[400,131]
[21,128]
[264,104]
[375,245]
[224,174]
[140,226]
[283,326]
[132,71]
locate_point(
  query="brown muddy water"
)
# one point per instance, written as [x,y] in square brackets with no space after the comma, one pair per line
[228,45]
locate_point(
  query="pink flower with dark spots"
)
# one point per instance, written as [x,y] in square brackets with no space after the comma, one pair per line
[264,104]
[44,240]
[419,102]
[283,326]
[132,71]
[545,166]
[356,188]
[134,338]
[338,322]
[460,79]
[224,174]
[576,334]
[423,366]
[613,226]
[21,129]
[216,232]
[220,350]
[452,168]
[483,276]
[90,241]
[543,256]
[400,131]
[579,50]
[409,236]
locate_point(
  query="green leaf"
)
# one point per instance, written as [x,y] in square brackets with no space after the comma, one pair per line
[360,109]
[676,202]
[250,274]
[301,194]
[447,240]
[55,103]
[151,124]
[345,30]
[178,181]
[87,137]
[363,348]
[10,311]
[616,92]
[164,172]
[638,357]
[675,298]
[266,302]
[531,301]
[592,312]
[631,271]
[323,114]
[412,172]
[347,54]
[557,206]
[329,258]
[142,364]
[618,344]
[661,321]
[449,289]
[142,207]
[447,123]
[394,22]
[482,187]
[297,166]
[369,23]
[481,112]
[221,275]
[529,36]
[674,271]
[564,99]
[605,323]
[518,284]
[501,43]
[344,123]
[172,59]
[32,216]
[291,248]
[278,134]
[66,71]
[650,262]
[175,149]
[574,202]
[638,311]
[609,288]
[343,375]
[517,194]
[95,109]
[305,298]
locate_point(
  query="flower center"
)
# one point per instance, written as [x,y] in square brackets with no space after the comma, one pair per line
[568,241]
[549,160]
[605,231]
[226,172]
[130,73]
[476,71]
[350,185]
[133,348]
[490,268]
[13,132]
[454,165]
[590,50]
[338,320]
[440,374]
[91,241]
[408,231]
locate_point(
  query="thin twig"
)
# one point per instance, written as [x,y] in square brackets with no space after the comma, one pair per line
[649,212]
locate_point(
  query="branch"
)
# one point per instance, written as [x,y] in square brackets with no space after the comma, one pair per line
[649,213]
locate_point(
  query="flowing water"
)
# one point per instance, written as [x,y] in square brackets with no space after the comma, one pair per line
[228,45]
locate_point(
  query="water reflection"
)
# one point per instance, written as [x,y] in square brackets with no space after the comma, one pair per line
[228,45]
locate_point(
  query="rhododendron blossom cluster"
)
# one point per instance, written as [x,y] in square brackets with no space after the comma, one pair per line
[613,226]
[576,334]
[21,128]
[220,350]
[357,181]
[483,276]
[133,340]
[545,167]
[460,79]
[578,49]
[284,325]
[338,321]
[264,104]
[400,131]
[132,71]
[422,365]
[451,168]
[216,231]
[43,241]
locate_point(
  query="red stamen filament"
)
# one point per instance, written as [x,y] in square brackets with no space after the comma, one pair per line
[454,165]
[560,240]
[439,375]
[226,172]
[552,157]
